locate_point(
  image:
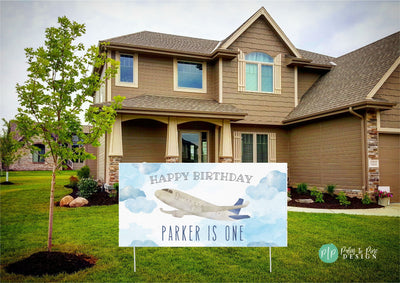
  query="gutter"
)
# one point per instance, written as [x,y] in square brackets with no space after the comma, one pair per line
[363,146]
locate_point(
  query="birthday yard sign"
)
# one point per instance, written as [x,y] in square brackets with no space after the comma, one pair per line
[203,205]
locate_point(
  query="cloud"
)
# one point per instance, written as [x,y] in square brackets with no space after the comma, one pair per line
[140,204]
[147,168]
[146,243]
[130,193]
[268,186]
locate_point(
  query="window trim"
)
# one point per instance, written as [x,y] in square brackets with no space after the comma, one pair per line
[189,89]
[135,70]
[195,132]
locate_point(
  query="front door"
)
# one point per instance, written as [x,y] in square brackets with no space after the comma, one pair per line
[194,146]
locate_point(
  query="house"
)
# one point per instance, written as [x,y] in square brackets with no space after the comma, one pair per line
[35,160]
[255,97]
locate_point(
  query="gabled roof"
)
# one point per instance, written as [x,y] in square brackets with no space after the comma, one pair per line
[177,106]
[166,41]
[351,81]
[260,13]
[206,47]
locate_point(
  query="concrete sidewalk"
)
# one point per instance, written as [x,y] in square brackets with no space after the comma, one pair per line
[392,210]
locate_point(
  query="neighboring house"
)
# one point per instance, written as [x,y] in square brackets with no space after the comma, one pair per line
[35,161]
[255,97]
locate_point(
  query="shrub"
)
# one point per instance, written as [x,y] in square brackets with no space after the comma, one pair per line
[319,196]
[84,172]
[116,186]
[330,189]
[342,199]
[73,181]
[289,192]
[87,187]
[302,188]
[366,199]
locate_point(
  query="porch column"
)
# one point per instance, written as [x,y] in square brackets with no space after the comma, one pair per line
[172,147]
[225,151]
[372,152]
[115,152]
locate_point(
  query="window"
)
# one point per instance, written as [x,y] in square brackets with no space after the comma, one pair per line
[77,146]
[128,70]
[194,147]
[254,148]
[259,72]
[190,76]
[38,154]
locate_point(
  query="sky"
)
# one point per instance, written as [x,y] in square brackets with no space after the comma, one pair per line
[329,27]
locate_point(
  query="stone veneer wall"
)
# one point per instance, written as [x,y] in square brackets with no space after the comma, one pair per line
[25,163]
[372,151]
[114,169]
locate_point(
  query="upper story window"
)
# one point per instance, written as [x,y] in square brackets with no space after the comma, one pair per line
[128,70]
[38,154]
[259,72]
[190,76]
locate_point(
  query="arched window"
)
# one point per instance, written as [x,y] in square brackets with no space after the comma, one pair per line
[38,154]
[259,72]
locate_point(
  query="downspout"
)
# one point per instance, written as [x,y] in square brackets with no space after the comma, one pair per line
[362,147]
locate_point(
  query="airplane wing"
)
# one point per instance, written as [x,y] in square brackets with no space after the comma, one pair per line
[176,213]
[216,208]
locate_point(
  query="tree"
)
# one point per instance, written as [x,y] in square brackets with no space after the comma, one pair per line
[61,78]
[9,146]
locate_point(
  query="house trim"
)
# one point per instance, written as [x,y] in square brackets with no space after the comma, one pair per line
[261,12]
[388,73]
[385,130]
[343,109]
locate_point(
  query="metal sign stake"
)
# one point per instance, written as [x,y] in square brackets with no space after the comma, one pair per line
[134,259]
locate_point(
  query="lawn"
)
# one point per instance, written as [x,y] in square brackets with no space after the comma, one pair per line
[94,231]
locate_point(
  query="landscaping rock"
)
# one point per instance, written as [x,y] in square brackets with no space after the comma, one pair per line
[78,202]
[306,200]
[65,201]
[289,199]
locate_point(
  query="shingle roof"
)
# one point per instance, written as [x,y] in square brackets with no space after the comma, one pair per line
[316,57]
[351,80]
[181,105]
[166,41]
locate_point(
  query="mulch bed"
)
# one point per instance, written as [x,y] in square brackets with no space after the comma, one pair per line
[6,183]
[330,202]
[51,263]
[98,198]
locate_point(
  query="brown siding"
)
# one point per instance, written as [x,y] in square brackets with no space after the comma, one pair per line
[389,161]
[390,91]
[327,152]
[143,141]
[306,79]
[282,138]
[263,108]
[156,77]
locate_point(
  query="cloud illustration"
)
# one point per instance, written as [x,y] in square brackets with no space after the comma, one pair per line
[140,204]
[268,186]
[130,193]
[146,243]
[147,168]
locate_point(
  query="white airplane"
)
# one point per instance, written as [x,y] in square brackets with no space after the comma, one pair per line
[190,205]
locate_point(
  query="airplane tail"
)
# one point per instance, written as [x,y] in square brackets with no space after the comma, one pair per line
[237,210]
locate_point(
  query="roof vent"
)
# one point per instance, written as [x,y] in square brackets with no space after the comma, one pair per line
[332,63]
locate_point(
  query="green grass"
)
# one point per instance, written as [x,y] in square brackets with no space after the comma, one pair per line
[94,231]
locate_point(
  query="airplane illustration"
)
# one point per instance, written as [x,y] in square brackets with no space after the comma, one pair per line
[190,205]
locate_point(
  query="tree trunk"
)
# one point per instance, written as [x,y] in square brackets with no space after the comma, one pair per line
[7,176]
[53,185]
